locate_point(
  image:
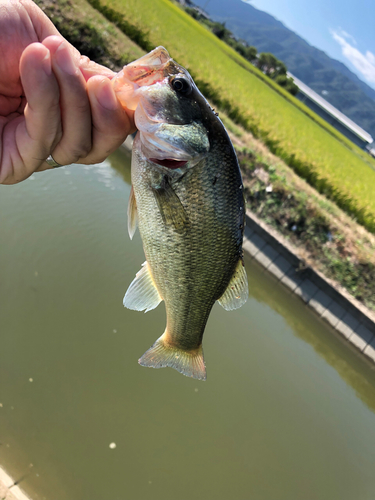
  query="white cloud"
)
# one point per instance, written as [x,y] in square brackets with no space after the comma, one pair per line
[345,34]
[365,63]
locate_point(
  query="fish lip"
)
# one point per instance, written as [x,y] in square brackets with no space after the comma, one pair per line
[153,61]
[155,148]
[150,68]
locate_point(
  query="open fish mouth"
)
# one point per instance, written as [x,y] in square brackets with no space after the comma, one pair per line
[169,163]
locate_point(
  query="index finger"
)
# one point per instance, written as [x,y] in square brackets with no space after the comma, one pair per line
[41,129]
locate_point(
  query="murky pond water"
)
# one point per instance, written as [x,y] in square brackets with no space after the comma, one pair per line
[287,411]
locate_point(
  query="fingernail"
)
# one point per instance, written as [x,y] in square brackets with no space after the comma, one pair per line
[64,59]
[106,96]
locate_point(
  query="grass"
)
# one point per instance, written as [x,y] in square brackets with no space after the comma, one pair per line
[324,236]
[317,152]
[308,225]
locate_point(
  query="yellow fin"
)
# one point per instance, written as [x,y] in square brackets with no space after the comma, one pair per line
[237,291]
[161,355]
[142,293]
[132,214]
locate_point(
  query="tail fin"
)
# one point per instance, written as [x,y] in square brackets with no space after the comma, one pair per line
[189,363]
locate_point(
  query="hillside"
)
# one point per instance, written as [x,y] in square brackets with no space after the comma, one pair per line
[341,87]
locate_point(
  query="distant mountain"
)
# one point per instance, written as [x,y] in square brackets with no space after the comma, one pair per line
[328,77]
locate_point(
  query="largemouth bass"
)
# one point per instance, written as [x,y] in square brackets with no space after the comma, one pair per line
[187,197]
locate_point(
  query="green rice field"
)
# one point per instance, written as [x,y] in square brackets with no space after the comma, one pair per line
[316,151]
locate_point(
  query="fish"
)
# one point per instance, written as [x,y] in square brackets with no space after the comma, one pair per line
[187,200]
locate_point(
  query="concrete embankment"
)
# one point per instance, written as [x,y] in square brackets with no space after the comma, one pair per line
[351,319]
[8,489]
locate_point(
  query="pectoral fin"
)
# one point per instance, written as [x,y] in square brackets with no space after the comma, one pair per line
[237,291]
[171,209]
[132,214]
[142,293]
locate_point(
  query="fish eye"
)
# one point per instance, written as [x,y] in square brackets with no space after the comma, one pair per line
[181,85]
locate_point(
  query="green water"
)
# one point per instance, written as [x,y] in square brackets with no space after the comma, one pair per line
[287,411]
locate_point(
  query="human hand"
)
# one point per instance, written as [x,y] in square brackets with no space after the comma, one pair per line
[52,99]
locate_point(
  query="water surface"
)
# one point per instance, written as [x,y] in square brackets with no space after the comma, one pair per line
[287,412]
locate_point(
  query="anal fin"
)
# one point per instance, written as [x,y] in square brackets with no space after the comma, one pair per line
[142,293]
[237,291]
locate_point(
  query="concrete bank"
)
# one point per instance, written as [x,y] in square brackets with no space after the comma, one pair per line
[351,319]
[8,489]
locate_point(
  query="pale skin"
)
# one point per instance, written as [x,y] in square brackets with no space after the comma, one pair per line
[53,100]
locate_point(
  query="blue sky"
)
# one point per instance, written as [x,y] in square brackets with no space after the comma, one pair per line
[344,29]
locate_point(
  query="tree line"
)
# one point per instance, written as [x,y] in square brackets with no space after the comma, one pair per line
[265,61]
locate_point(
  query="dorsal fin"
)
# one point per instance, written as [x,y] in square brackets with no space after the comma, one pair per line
[132,214]
[237,291]
[142,293]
